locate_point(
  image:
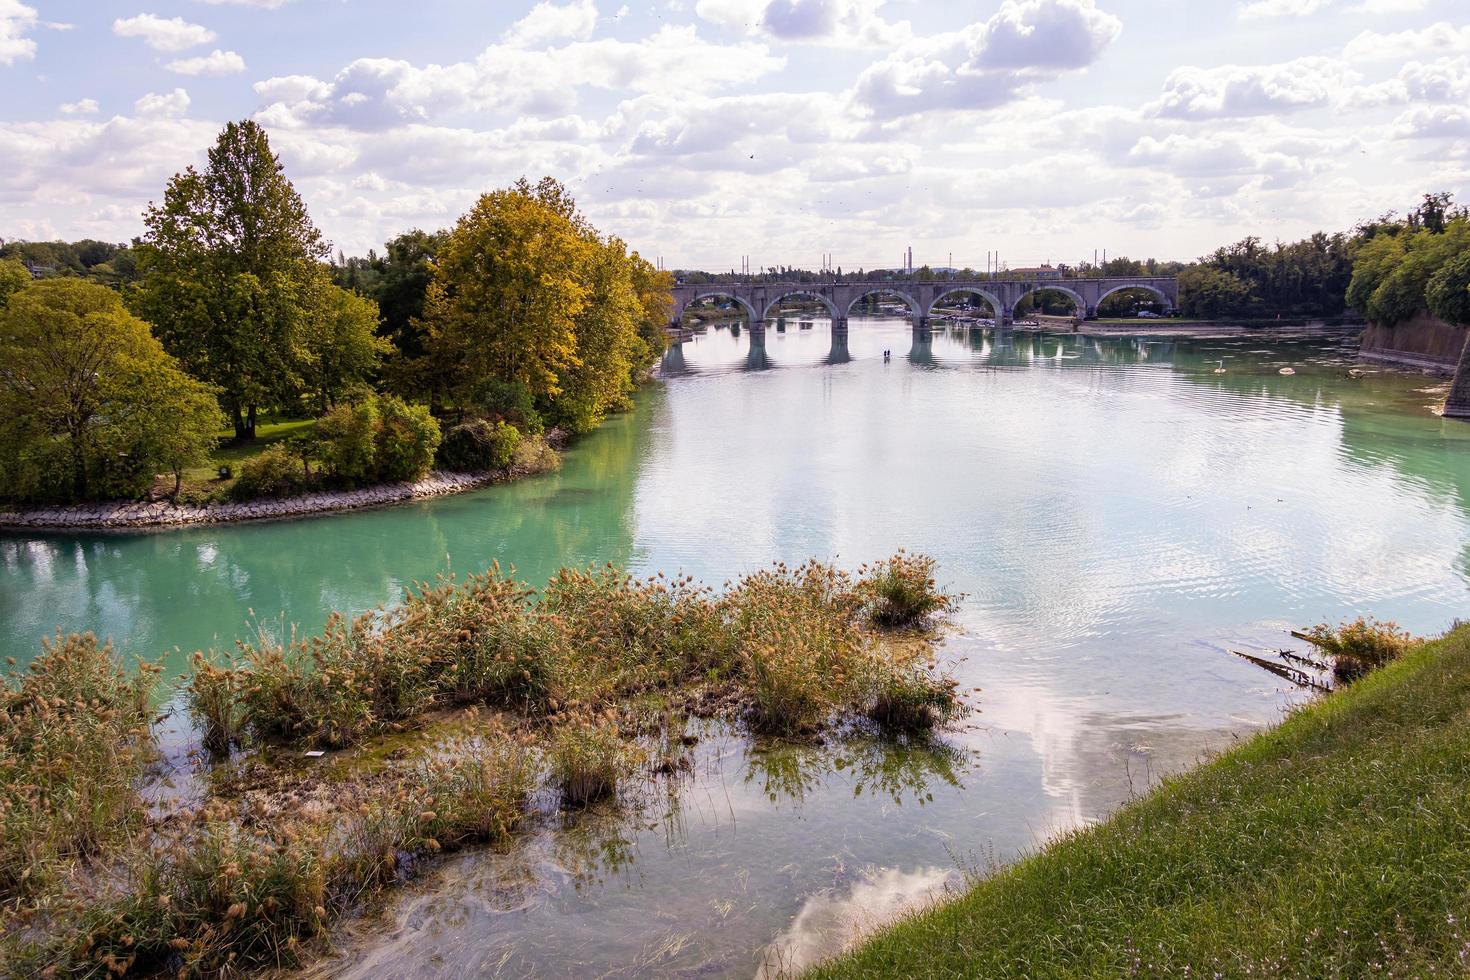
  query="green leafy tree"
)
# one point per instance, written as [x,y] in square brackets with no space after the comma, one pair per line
[14,277]
[506,294]
[1448,291]
[1393,274]
[1205,291]
[344,349]
[655,310]
[91,405]
[228,266]
[600,378]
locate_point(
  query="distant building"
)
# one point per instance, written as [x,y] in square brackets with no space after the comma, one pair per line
[40,271]
[1037,272]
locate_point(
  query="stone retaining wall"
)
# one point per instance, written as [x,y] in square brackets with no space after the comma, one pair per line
[137,514]
[1423,344]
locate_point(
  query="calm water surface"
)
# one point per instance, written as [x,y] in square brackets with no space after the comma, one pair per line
[1118,516]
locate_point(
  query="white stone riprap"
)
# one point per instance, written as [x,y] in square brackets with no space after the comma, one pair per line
[133,514]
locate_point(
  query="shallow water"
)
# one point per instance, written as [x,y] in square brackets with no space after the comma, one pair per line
[1118,515]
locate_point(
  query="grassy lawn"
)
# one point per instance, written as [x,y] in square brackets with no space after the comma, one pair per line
[232,454]
[1334,845]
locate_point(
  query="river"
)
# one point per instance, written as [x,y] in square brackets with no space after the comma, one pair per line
[1118,516]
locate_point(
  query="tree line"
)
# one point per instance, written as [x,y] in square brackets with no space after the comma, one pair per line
[125,361]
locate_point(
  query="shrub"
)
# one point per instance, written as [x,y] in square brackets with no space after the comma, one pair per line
[74,742]
[588,758]
[536,455]
[406,440]
[509,401]
[900,593]
[1361,646]
[269,473]
[348,436]
[479,445]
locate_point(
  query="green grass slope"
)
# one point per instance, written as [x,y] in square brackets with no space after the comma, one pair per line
[1334,845]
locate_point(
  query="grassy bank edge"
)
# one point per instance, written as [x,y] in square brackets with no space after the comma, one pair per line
[1336,843]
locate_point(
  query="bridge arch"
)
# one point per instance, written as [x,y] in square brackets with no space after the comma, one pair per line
[916,310]
[1052,284]
[803,294]
[718,294]
[997,308]
[1155,291]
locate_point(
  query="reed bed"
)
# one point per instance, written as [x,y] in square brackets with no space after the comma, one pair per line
[571,675]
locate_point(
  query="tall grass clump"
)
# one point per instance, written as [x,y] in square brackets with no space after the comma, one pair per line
[74,744]
[912,699]
[1360,647]
[639,633]
[901,592]
[474,791]
[800,654]
[222,895]
[211,693]
[588,758]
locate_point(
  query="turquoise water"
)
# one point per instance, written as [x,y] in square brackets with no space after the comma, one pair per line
[1118,516]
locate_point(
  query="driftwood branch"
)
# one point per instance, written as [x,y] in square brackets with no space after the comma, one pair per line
[1298,677]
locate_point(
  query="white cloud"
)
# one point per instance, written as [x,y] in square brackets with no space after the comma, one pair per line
[379,93]
[1437,39]
[82,107]
[15,20]
[845,22]
[160,34]
[174,103]
[217,62]
[1391,6]
[1433,122]
[989,63]
[1282,8]
[549,21]
[1250,90]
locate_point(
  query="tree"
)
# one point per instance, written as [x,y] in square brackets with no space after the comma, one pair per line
[600,378]
[506,295]
[90,403]
[1205,291]
[1392,275]
[1448,291]
[344,348]
[228,264]
[14,277]
[656,310]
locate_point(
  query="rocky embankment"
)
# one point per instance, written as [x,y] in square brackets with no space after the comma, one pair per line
[136,514]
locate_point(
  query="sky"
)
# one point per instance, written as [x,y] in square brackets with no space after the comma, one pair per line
[704,131]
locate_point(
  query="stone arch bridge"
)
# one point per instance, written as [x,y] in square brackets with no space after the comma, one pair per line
[758,300]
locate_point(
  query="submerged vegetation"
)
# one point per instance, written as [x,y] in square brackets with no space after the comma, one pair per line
[575,688]
[1330,846]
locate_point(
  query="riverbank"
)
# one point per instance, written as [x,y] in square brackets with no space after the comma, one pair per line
[135,514]
[1201,329]
[1331,845]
